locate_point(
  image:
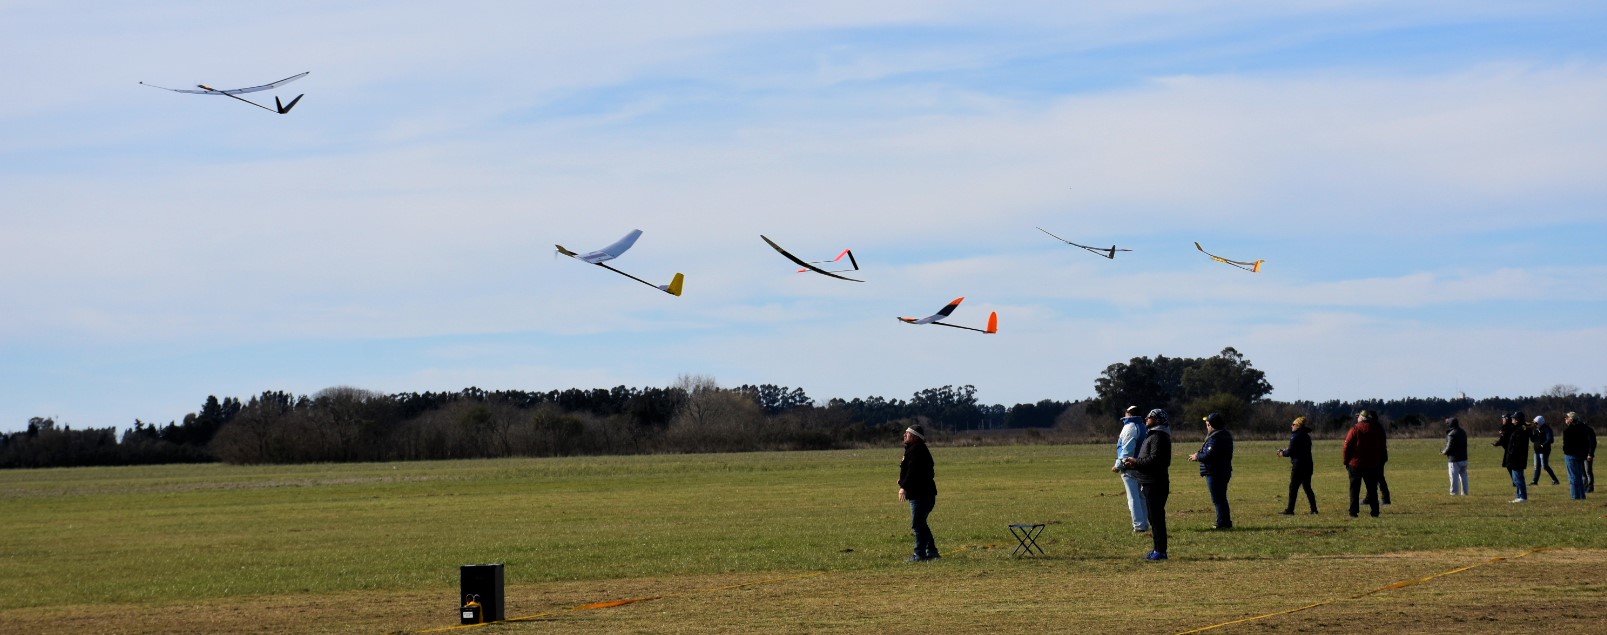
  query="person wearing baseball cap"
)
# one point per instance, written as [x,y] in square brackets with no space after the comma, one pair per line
[1132,436]
[1153,465]
[1215,457]
[1578,451]
[1456,456]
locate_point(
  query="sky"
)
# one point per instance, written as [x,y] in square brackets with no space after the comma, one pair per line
[1424,180]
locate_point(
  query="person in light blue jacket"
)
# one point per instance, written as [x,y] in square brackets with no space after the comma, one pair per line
[1132,435]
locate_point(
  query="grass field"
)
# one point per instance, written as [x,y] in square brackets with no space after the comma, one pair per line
[802,542]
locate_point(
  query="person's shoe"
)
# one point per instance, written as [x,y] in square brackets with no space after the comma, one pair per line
[1556,482]
[1373,514]
[1534,482]
[913,559]
[1287,512]
[1141,531]
[1156,555]
[1520,500]
[1355,515]
[934,557]
[1221,527]
[1313,512]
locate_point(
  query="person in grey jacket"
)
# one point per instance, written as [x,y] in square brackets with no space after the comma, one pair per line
[1153,464]
[1456,456]
[1132,435]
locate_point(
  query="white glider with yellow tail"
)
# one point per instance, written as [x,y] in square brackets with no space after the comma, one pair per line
[616,250]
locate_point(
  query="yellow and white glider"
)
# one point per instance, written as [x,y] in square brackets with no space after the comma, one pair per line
[614,251]
[1252,267]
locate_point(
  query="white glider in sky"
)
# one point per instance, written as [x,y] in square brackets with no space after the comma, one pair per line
[993,318]
[234,92]
[616,250]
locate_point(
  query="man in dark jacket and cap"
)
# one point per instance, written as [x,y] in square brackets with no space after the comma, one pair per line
[1515,457]
[1456,456]
[1216,465]
[1153,465]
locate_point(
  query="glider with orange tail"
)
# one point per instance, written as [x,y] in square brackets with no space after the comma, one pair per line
[993,319]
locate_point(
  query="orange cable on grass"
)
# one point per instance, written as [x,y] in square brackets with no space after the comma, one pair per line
[1389,587]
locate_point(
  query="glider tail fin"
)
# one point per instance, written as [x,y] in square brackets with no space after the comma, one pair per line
[1257,268]
[851,260]
[285,108]
[993,322]
[674,287]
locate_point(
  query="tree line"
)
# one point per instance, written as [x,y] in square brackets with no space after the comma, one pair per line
[695,414]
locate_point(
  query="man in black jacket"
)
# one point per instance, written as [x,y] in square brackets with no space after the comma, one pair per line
[1578,448]
[1456,456]
[1153,465]
[1300,465]
[917,485]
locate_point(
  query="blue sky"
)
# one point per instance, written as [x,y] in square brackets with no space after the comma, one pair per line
[1423,179]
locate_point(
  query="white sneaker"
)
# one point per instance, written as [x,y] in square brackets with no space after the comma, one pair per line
[1520,500]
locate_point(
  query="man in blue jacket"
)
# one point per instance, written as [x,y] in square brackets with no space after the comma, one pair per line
[1132,435]
[1216,465]
[1543,437]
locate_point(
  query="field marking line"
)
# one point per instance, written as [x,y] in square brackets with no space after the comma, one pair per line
[1388,587]
[614,603]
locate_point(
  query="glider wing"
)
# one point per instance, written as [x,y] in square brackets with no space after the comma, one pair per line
[936,316]
[1108,253]
[1252,267]
[808,266]
[208,90]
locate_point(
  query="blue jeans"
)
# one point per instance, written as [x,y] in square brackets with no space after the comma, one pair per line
[1135,503]
[1218,484]
[925,545]
[1542,461]
[1522,485]
[1576,476]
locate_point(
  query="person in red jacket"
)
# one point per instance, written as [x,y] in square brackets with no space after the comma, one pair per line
[1365,449]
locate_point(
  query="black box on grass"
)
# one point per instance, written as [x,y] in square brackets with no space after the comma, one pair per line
[484,581]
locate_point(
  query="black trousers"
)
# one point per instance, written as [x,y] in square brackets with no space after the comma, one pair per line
[1358,477]
[1300,477]
[1155,495]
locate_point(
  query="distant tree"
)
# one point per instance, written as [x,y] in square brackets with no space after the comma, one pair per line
[1173,383]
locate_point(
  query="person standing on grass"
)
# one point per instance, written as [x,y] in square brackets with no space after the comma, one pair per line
[1456,456]
[1543,437]
[917,485]
[1578,448]
[1300,465]
[1132,435]
[1215,457]
[1154,466]
[1364,457]
[1515,457]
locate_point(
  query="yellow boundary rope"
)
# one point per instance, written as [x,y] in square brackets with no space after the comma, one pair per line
[1388,587]
[614,603]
